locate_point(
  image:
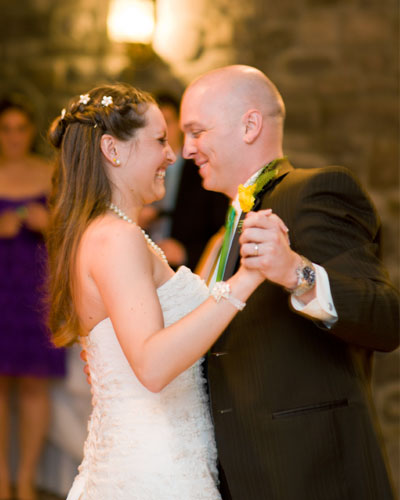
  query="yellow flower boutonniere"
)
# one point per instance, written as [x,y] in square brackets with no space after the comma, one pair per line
[247,194]
[246,197]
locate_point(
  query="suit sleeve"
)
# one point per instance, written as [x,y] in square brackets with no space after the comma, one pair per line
[337,227]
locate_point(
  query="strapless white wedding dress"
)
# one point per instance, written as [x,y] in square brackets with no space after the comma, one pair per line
[142,445]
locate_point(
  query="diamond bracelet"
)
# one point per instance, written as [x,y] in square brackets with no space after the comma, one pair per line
[222,290]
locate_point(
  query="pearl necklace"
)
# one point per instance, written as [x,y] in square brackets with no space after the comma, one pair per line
[149,241]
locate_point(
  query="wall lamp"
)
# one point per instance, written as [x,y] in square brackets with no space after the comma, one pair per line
[131,21]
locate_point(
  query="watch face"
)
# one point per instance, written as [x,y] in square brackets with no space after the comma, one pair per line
[309,274]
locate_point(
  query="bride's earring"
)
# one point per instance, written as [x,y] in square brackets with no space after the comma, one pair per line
[116,160]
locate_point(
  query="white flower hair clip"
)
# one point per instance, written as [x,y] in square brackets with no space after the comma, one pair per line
[106,101]
[84,99]
[63,112]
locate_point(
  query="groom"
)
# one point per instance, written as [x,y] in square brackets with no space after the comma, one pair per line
[290,377]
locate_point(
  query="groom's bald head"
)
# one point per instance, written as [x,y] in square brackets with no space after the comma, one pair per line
[239,88]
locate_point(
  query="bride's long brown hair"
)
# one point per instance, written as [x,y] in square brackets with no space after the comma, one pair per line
[81,190]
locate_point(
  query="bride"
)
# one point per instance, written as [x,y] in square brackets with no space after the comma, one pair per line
[143,327]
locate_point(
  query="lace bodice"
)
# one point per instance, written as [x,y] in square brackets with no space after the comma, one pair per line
[143,445]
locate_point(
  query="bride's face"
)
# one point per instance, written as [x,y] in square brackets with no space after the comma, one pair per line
[145,158]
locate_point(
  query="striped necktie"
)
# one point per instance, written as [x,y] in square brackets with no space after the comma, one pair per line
[230,218]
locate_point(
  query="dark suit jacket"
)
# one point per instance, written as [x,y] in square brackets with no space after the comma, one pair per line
[198,213]
[291,399]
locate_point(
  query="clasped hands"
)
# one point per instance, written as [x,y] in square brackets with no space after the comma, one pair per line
[265,247]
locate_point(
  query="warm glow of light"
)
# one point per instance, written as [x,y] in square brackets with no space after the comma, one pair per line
[131,21]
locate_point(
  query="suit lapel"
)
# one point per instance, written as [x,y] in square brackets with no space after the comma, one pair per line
[233,257]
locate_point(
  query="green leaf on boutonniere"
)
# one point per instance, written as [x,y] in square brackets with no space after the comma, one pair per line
[247,194]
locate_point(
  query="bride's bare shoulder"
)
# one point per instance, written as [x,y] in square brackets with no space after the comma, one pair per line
[107,234]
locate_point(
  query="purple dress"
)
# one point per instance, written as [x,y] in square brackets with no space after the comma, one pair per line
[25,346]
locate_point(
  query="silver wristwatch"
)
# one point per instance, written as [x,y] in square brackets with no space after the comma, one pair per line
[305,277]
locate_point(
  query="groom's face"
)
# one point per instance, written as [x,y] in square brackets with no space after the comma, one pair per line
[210,138]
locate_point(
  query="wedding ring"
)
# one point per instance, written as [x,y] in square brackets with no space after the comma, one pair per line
[255,250]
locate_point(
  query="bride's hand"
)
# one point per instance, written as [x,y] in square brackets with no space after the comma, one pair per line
[265,248]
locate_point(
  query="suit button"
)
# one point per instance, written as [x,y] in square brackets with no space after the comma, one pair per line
[227,410]
[219,354]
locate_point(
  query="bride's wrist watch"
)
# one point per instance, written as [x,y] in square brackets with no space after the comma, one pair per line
[305,277]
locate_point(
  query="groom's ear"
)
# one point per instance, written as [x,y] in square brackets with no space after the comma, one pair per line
[252,124]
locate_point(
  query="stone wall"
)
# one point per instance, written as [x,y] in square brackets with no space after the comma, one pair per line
[334,61]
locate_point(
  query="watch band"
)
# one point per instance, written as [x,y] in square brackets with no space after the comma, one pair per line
[222,290]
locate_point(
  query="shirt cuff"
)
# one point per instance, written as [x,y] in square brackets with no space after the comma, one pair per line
[322,307]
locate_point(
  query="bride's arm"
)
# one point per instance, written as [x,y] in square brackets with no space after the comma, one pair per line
[122,270]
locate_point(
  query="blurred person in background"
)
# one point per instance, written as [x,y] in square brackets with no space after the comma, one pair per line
[188,216]
[27,358]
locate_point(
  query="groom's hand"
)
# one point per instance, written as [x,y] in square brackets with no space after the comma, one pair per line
[265,247]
